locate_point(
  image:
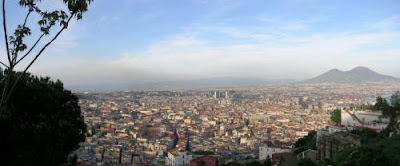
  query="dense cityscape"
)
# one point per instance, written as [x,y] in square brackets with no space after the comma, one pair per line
[231,124]
[200,83]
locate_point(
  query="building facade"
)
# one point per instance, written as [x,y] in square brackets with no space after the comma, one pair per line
[178,158]
[364,119]
[268,149]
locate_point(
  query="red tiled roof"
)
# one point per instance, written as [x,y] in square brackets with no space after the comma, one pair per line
[212,158]
[276,156]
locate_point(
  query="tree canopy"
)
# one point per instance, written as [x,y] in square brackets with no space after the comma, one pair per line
[203,152]
[305,143]
[268,161]
[42,123]
[336,116]
[382,152]
[391,110]
[232,164]
[306,162]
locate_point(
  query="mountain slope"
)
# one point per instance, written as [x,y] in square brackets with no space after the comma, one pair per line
[356,75]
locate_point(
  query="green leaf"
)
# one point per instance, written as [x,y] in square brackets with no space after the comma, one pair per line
[79,16]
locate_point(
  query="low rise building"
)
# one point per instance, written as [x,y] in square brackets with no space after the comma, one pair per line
[364,119]
[268,149]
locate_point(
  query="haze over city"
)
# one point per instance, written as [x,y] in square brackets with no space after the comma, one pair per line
[142,41]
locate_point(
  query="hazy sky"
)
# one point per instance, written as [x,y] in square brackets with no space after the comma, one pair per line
[136,41]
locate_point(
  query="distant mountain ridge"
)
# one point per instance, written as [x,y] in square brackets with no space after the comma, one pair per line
[357,75]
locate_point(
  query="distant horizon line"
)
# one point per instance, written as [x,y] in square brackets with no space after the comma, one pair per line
[196,83]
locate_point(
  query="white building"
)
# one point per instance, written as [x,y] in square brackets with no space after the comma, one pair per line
[267,149]
[243,140]
[178,158]
[364,119]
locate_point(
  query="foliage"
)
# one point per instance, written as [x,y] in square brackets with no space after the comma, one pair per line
[395,100]
[326,162]
[383,152]
[367,135]
[381,104]
[17,48]
[254,163]
[306,162]
[268,161]
[47,20]
[336,116]
[203,152]
[305,143]
[281,160]
[391,110]
[43,124]
[232,164]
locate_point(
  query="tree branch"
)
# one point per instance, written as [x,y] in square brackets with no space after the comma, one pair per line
[37,56]
[3,64]
[26,54]
[6,84]
[4,78]
[5,32]
[27,16]
[14,59]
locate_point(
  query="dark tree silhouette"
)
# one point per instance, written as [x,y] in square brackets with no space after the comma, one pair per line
[268,161]
[42,123]
[305,143]
[380,152]
[306,162]
[18,48]
[391,110]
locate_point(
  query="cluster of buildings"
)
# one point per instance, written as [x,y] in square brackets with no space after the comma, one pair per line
[196,127]
[335,138]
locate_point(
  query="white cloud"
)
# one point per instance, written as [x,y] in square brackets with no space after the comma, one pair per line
[283,58]
[389,23]
[275,55]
